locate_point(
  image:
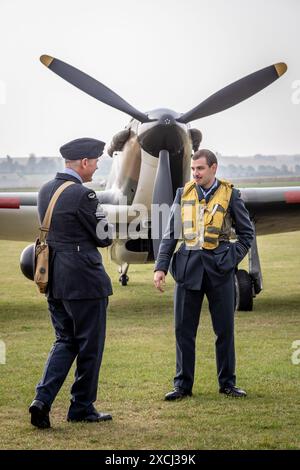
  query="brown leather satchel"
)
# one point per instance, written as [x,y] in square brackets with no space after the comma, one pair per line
[41,273]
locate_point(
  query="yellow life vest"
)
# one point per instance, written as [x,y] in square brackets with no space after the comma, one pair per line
[202,222]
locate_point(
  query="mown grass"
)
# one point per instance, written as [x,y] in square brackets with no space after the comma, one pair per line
[138,366]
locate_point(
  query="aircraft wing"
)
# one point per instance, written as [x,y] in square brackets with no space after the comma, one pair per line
[19,217]
[274,210]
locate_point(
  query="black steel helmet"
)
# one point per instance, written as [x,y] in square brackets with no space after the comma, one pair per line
[27,261]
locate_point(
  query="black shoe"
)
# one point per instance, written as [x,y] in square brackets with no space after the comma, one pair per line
[233,391]
[39,414]
[94,417]
[177,394]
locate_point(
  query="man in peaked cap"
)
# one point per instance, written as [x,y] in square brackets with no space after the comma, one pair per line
[78,286]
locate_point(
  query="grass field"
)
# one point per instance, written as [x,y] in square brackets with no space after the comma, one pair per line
[138,366]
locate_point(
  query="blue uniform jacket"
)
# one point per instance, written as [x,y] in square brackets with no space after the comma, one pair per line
[187,266]
[76,269]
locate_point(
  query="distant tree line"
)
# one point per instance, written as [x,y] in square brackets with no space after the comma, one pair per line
[50,165]
[32,165]
[240,171]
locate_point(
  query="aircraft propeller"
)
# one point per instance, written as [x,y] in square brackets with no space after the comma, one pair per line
[162,194]
[91,86]
[223,99]
[235,92]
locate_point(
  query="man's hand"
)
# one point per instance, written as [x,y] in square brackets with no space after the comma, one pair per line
[159,280]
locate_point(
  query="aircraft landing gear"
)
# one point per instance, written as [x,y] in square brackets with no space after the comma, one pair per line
[247,285]
[123,279]
[244,291]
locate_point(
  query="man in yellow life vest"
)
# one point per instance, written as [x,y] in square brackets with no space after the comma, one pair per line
[203,214]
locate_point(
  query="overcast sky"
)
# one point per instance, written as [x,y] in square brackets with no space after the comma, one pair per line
[154,53]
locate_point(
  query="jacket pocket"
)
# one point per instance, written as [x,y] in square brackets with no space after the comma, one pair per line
[94,258]
[179,263]
[225,258]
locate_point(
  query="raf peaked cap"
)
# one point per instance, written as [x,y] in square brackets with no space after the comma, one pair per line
[82,148]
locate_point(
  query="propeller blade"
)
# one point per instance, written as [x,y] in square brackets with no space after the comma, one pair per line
[91,86]
[235,92]
[162,194]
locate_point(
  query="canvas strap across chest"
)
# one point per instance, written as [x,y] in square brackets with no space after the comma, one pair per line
[202,222]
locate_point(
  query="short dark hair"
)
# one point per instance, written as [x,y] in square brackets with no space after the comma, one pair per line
[208,154]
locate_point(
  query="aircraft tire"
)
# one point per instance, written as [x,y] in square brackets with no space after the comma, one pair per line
[244,291]
[124,280]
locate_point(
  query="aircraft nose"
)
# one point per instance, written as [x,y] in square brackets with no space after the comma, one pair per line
[166,120]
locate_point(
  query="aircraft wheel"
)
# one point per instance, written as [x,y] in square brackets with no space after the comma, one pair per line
[124,279]
[244,291]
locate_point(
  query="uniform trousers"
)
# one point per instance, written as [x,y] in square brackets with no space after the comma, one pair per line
[80,327]
[188,305]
